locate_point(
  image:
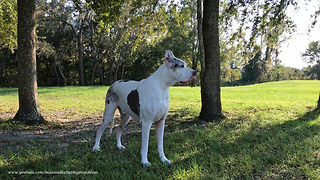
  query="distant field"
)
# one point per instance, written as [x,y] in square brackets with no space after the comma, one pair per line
[272,132]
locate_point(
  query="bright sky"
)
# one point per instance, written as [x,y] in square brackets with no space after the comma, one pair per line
[291,51]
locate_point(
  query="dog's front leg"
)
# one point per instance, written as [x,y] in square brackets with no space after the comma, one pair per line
[159,132]
[146,126]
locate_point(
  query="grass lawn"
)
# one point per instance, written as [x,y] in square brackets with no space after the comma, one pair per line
[272,132]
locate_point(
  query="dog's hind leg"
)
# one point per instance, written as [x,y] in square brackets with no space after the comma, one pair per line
[123,124]
[109,110]
[111,126]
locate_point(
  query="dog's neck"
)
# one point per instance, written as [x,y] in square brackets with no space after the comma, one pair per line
[162,76]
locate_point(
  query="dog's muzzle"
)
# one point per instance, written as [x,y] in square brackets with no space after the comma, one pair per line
[194,73]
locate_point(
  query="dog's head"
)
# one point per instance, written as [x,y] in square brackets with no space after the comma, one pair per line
[178,69]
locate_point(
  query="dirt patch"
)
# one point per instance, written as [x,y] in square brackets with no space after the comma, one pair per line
[62,132]
[6,115]
[59,138]
[51,139]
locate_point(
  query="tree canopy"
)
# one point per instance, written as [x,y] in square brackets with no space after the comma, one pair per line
[312,54]
[8,23]
[97,42]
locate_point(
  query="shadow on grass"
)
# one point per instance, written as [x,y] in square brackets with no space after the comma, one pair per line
[282,151]
[8,91]
[285,142]
[68,149]
[196,147]
[51,147]
[63,89]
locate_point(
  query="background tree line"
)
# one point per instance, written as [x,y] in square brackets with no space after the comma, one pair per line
[76,46]
[113,36]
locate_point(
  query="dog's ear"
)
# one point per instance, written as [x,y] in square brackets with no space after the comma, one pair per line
[168,57]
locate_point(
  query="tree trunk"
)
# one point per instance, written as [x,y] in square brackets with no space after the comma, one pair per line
[194,63]
[29,108]
[122,71]
[116,71]
[201,47]
[80,49]
[100,74]
[211,101]
[54,65]
[318,103]
[111,71]
[94,66]
[64,79]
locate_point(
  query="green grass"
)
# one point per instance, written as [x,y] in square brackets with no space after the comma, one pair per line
[272,132]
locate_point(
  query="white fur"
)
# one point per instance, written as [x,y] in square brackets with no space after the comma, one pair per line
[153,102]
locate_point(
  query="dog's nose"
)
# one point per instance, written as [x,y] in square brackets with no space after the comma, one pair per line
[194,73]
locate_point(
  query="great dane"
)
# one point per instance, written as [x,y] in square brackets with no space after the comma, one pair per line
[146,101]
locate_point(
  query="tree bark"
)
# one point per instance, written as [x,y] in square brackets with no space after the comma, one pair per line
[116,71]
[201,46]
[194,63]
[29,108]
[211,101]
[94,65]
[100,74]
[64,79]
[80,56]
[54,65]
[318,103]
[79,36]
[111,70]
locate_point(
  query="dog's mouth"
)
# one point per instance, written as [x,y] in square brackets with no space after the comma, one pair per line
[185,82]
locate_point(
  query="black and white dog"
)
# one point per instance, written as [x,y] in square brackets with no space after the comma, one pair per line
[146,101]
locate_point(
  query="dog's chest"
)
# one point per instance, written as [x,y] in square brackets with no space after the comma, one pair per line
[161,112]
[155,109]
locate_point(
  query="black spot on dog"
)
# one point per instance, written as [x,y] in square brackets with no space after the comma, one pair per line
[176,63]
[133,102]
[111,96]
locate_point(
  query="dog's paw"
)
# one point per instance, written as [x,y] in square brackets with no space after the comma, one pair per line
[166,161]
[121,148]
[146,164]
[96,148]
